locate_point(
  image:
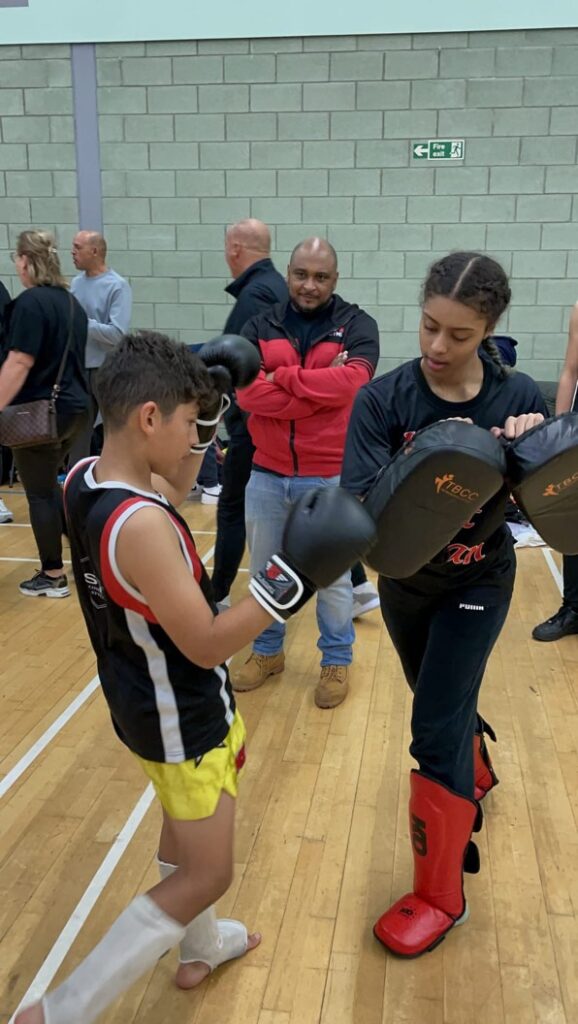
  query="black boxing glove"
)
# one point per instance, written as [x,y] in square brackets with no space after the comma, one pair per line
[232,361]
[326,532]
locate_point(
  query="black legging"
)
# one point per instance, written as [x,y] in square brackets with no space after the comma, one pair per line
[38,468]
[444,644]
[570,564]
[230,542]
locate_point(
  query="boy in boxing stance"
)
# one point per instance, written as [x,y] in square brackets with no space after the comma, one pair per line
[161,648]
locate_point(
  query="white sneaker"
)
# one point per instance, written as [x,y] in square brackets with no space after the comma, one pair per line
[211,495]
[5,514]
[206,495]
[365,599]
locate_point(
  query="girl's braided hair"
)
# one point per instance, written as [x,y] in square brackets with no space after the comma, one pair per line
[476,281]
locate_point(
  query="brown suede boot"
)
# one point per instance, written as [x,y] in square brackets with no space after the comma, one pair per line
[332,687]
[256,670]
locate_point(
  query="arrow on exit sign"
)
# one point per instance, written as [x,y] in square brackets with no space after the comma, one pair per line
[439,149]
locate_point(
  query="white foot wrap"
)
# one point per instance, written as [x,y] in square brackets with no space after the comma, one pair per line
[134,943]
[209,940]
[212,941]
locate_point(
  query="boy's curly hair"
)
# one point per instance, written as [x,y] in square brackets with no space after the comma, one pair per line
[149,367]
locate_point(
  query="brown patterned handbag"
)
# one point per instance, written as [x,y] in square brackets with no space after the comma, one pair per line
[34,423]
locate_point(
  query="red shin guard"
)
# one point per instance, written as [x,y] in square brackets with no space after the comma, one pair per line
[485,777]
[441,824]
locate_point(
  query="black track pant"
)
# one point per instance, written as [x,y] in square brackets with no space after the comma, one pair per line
[38,468]
[82,445]
[571,581]
[444,645]
[230,542]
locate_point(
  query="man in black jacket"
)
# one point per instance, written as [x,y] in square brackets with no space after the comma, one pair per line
[256,286]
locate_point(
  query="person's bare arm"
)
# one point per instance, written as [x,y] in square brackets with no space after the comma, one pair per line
[161,575]
[178,486]
[569,375]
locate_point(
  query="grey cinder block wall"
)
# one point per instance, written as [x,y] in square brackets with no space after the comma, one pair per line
[313,135]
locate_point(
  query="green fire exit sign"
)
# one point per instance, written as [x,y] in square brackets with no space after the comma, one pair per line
[439,149]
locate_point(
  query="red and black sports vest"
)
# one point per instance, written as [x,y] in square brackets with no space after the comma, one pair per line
[164,707]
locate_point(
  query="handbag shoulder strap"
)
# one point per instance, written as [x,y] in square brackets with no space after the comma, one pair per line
[56,387]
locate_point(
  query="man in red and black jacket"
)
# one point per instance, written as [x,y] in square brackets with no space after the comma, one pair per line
[316,352]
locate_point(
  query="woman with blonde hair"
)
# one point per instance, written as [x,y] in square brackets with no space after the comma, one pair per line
[41,324]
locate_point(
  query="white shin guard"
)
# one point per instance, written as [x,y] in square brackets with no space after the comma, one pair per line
[134,943]
[208,939]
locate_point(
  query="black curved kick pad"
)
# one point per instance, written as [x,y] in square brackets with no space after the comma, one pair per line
[432,486]
[543,474]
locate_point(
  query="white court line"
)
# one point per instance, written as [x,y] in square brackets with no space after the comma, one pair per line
[558,578]
[36,749]
[42,742]
[87,902]
[4,558]
[18,525]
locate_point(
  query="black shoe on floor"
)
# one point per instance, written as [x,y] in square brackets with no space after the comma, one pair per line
[563,623]
[42,585]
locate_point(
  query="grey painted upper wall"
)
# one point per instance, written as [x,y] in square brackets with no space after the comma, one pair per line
[313,135]
[55,21]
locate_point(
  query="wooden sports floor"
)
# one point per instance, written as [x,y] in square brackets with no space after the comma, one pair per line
[321,845]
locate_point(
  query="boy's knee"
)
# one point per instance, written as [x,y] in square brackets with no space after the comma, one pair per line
[213,882]
[222,871]
[217,885]
[222,881]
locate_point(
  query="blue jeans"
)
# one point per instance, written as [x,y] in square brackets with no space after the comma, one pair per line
[268,499]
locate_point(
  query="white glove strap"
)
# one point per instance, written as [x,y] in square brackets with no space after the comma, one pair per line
[277,588]
[202,446]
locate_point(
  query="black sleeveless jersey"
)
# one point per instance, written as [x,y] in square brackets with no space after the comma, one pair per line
[163,707]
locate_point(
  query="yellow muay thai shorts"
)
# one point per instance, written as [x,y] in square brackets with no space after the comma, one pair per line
[191,790]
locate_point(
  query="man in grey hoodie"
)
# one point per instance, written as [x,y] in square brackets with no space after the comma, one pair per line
[107,300]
